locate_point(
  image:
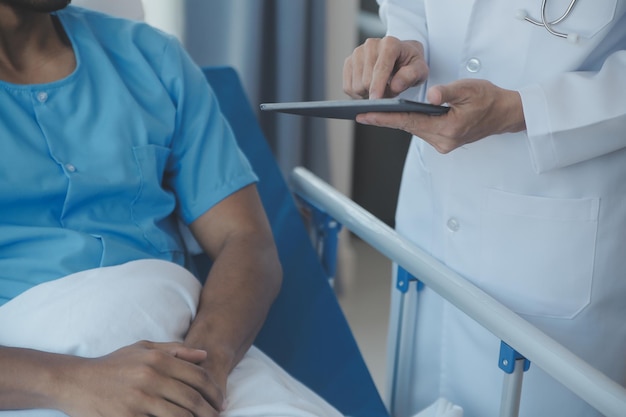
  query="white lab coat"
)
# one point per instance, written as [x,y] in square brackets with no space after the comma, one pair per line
[536,219]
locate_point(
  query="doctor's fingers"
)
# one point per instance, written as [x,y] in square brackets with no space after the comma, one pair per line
[368,71]
[357,71]
[401,64]
[441,132]
[480,107]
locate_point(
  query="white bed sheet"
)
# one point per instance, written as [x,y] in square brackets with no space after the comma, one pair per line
[95,312]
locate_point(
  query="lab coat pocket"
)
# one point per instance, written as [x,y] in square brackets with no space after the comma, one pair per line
[537,254]
[586,19]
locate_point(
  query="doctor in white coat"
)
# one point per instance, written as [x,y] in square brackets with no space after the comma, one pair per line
[521,187]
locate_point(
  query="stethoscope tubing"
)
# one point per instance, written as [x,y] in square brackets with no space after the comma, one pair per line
[548,25]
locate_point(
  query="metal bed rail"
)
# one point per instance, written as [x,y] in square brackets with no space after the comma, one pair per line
[582,379]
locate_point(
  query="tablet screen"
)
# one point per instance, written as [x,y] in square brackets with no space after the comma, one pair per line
[348,109]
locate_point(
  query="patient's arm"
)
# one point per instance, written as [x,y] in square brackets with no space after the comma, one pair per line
[140,380]
[164,378]
[243,281]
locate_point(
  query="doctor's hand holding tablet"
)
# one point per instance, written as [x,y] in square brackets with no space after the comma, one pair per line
[386,67]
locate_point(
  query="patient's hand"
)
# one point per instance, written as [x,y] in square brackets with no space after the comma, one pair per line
[156,379]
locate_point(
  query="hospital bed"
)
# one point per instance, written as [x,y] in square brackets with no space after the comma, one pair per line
[522,343]
[306,332]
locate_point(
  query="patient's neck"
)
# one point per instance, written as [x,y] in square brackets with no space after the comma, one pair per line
[34,47]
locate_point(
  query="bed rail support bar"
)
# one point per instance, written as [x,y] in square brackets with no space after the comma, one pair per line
[514,365]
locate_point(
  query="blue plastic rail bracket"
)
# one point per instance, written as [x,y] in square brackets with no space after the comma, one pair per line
[508,356]
[329,229]
[403,279]
[325,231]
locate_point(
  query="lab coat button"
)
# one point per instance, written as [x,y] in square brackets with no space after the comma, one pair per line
[42,96]
[473,65]
[453,224]
[70,168]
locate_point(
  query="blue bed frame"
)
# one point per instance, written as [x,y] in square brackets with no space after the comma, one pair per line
[306,331]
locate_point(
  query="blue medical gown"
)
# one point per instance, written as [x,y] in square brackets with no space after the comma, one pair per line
[97,168]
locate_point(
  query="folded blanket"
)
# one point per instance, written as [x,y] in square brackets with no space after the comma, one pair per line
[95,312]
[441,408]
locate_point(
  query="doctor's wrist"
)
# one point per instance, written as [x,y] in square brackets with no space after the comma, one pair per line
[514,120]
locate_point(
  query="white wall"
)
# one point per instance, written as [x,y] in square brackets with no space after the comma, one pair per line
[167,15]
[130,9]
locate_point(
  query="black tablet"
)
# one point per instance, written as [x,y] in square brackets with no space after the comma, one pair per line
[348,109]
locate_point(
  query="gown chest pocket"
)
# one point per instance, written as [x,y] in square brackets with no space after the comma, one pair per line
[154,204]
[537,254]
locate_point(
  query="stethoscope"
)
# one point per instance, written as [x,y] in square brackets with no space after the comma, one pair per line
[572,37]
